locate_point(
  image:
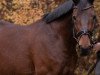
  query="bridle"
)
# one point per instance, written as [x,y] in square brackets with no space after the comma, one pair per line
[77,35]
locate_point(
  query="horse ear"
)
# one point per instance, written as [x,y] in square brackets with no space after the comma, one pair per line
[76,1]
[91,1]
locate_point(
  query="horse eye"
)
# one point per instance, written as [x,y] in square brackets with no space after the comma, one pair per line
[74,17]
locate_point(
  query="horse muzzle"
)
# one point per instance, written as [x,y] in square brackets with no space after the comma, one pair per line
[85,51]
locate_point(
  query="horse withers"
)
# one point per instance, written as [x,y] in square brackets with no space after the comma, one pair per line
[47,47]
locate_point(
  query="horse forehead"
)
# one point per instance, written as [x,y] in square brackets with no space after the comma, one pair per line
[84,22]
[83,15]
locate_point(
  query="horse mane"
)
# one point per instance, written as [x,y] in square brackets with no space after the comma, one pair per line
[59,12]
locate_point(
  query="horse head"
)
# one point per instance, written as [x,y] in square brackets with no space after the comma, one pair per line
[85,22]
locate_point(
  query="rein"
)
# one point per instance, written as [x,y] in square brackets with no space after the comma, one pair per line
[92,68]
[94,65]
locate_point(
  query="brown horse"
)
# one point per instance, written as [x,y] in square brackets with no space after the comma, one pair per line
[46,47]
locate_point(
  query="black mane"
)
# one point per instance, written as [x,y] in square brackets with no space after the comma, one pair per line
[58,12]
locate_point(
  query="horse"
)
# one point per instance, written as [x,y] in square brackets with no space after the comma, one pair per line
[48,46]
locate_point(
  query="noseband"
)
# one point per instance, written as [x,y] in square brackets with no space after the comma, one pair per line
[79,34]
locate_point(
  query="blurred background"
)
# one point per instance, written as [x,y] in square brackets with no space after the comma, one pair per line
[25,12]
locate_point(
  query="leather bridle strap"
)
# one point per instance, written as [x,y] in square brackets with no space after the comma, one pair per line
[78,35]
[88,7]
[75,7]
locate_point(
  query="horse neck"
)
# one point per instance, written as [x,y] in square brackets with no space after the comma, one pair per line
[63,26]
[64,29]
